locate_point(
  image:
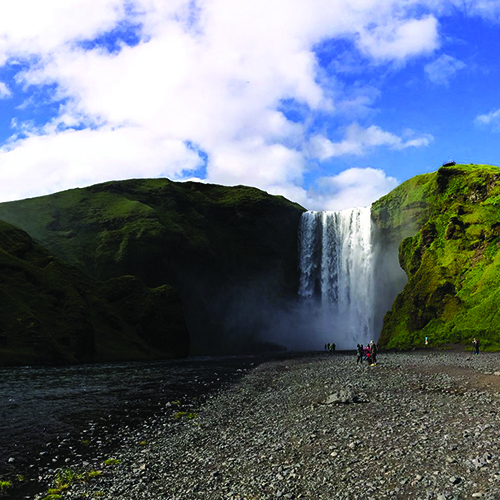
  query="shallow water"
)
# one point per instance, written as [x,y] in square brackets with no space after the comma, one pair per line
[51,408]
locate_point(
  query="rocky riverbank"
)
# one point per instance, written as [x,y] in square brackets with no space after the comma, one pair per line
[427,425]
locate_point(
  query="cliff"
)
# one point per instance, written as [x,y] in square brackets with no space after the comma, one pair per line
[231,252]
[446,226]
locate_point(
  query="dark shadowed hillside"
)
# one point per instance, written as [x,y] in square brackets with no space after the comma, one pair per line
[230,251]
[53,313]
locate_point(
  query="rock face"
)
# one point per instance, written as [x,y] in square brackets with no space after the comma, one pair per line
[447,227]
[230,252]
[53,313]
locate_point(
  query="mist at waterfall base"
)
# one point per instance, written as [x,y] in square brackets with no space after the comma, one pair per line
[348,280]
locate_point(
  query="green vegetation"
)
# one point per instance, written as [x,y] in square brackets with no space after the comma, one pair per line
[112,461]
[64,478]
[4,485]
[448,226]
[138,242]
[52,313]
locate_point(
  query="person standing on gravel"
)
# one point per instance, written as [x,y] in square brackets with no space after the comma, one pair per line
[373,353]
[361,353]
[367,353]
[475,343]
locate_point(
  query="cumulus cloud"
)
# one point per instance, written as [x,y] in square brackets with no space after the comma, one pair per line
[399,39]
[38,164]
[353,187]
[30,28]
[441,70]
[212,73]
[358,140]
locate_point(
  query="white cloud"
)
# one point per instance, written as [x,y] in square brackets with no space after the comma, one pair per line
[358,140]
[77,158]
[483,8]
[492,119]
[443,69]
[353,187]
[399,39]
[4,91]
[211,73]
[30,27]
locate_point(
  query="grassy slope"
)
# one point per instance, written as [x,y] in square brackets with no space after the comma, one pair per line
[51,312]
[226,249]
[452,261]
[100,227]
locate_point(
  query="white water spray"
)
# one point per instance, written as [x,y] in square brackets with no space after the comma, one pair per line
[337,275]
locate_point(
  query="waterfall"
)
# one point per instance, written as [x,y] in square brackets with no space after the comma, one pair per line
[337,275]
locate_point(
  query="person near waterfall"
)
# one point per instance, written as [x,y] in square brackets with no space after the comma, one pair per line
[475,343]
[367,353]
[373,353]
[361,354]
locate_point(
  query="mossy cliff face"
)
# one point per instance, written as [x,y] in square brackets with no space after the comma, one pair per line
[447,224]
[230,251]
[53,313]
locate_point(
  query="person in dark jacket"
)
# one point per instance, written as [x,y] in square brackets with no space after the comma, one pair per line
[361,354]
[475,343]
[373,353]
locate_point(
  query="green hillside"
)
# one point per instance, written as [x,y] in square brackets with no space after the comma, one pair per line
[448,226]
[230,251]
[52,313]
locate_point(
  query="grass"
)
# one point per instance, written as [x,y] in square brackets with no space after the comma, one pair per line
[158,231]
[53,313]
[64,478]
[452,259]
[112,461]
[4,485]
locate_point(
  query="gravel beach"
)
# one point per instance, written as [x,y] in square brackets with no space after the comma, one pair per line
[418,425]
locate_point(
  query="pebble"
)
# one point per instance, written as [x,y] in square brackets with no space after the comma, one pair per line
[418,424]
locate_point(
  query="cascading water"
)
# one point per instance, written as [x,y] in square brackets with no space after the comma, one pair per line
[337,274]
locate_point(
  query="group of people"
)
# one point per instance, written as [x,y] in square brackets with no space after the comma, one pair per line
[368,353]
[330,347]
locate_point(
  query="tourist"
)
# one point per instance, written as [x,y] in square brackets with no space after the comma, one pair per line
[361,354]
[334,346]
[367,353]
[426,340]
[475,343]
[373,353]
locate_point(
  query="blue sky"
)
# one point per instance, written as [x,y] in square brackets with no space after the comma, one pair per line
[331,103]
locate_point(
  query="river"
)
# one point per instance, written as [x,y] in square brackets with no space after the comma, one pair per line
[49,415]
